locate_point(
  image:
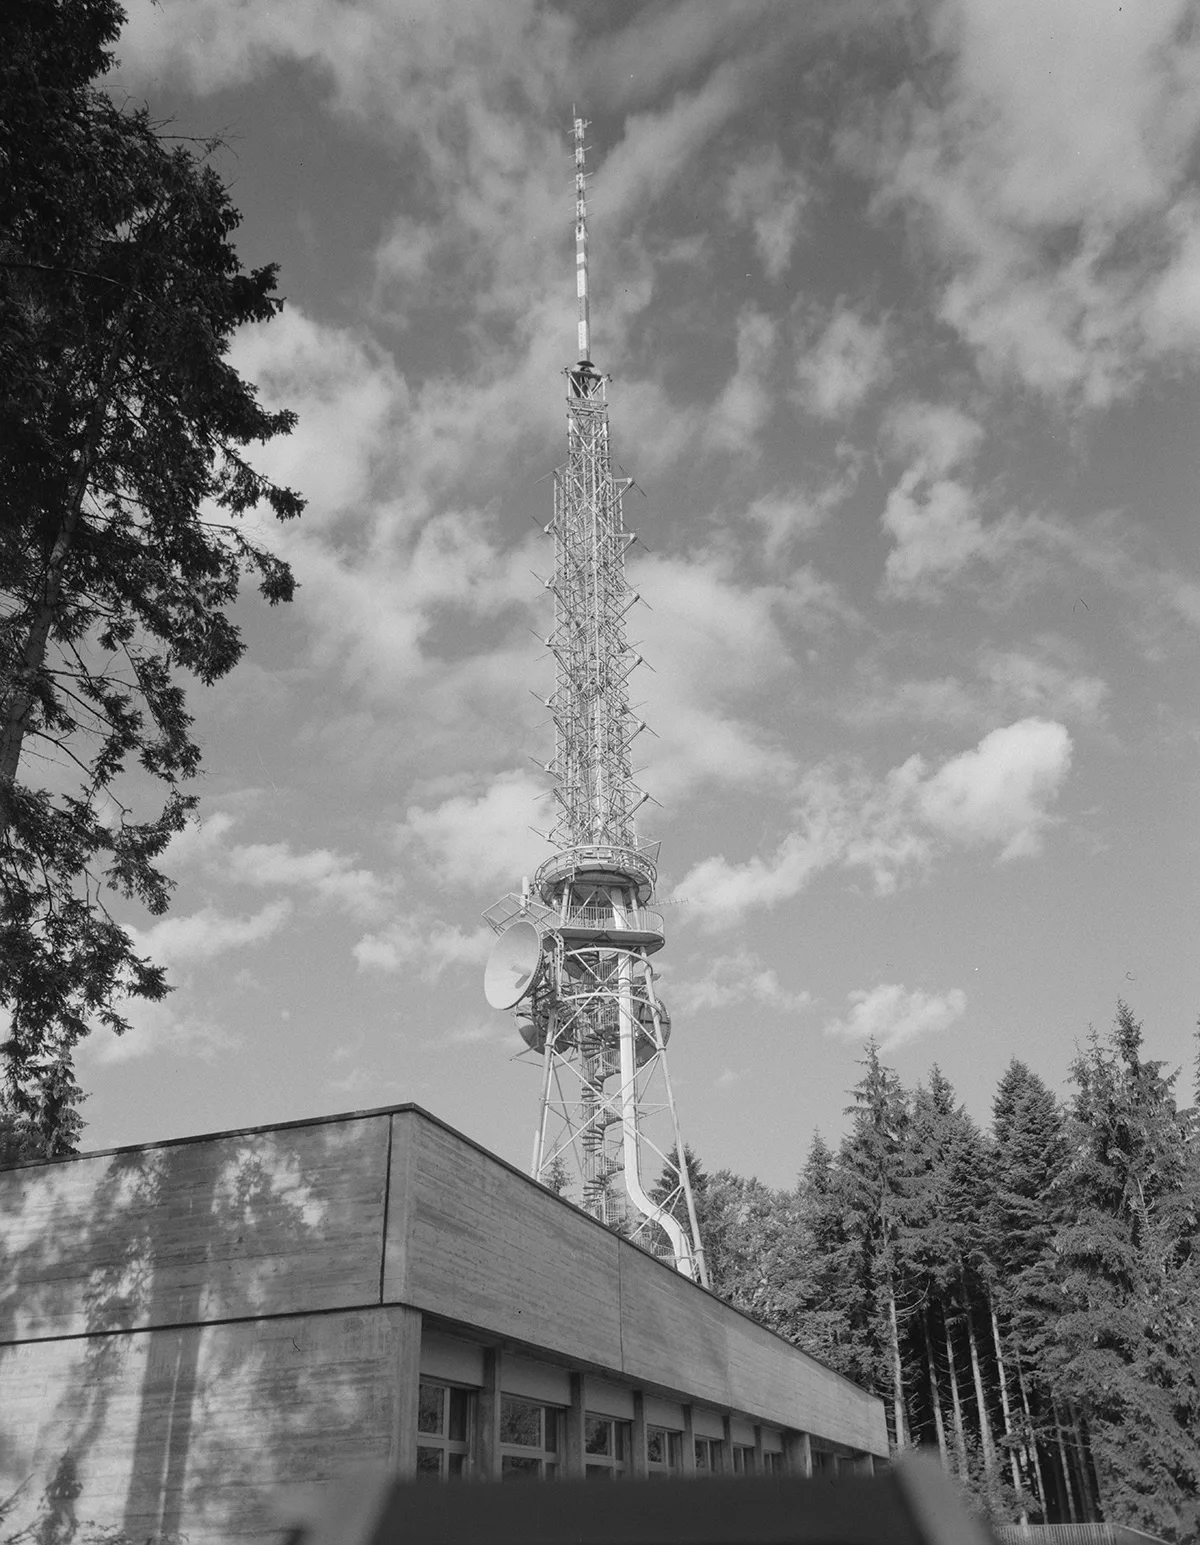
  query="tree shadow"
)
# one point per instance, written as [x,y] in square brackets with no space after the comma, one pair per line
[203,1245]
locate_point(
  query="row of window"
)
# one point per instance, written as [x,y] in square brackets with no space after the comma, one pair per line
[531,1439]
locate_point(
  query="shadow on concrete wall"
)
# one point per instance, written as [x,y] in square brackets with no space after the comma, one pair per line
[164,1238]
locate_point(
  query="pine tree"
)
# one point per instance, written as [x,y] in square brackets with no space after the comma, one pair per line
[1124,1345]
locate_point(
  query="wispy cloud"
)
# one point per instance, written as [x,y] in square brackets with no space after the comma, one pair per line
[205,934]
[1048,169]
[836,370]
[735,981]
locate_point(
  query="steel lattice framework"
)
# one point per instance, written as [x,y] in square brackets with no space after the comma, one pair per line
[594,727]
[606,1118]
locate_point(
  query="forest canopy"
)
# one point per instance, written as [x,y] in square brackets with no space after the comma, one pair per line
[1026,1300]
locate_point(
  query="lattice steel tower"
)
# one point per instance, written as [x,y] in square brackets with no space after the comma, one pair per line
[573,957]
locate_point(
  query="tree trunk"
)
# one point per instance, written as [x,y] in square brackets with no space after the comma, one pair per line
[1031,1442]
[960,1447]
[935,1392]
[16,706]
[985,1425]
[897,1371]
[1007,1412]
[1087,1470]
[1065,1464]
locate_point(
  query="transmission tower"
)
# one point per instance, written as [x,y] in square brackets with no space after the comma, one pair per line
[573,958]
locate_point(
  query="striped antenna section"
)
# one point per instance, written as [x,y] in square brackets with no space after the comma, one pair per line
[581,260]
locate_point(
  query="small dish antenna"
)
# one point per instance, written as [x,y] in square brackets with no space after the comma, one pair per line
[513,966]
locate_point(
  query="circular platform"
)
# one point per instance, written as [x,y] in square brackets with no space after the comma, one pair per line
[597,866]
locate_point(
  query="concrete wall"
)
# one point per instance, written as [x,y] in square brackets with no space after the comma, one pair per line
[184,1327]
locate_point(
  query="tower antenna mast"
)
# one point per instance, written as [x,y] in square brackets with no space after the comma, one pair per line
[572,959]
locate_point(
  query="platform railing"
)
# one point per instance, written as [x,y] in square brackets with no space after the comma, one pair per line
[636,920]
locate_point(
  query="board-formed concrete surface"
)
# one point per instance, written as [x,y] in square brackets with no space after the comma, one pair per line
[187,1326]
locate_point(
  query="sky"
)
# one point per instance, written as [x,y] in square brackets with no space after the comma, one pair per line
[901,306]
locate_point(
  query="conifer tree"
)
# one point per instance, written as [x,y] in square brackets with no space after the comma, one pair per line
[1124,1345]
[870,1170]
[1026,1206]
[122,477]
[827,1325]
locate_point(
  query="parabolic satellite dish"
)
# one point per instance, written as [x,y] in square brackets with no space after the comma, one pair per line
[513,966]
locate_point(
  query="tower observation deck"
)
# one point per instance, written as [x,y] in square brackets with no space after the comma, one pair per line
[572,960]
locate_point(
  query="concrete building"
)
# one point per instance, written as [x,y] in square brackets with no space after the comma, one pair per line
[186,1327]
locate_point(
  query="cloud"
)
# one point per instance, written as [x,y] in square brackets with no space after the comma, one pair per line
[202,935]
[1043,688]
[892,1015]
[735,981]
[937,531]
[1005,681]
[933,437]
[933,518]
[942,700]
[351,401]
[163,1027]
[648,159]
[327,877]
[999,792]
[996,795]
[836,373]
[430,948]
[481,841]
[199,840]
[770,198]
[784,517]
[1047,162]
[715,642]
[745,404]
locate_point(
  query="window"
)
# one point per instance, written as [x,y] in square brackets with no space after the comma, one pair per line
[443,1431]
[606,1445]
[772,1463]
[743,1459]
[528,1438]
[708,1456]
[664,1451]
[824,1463]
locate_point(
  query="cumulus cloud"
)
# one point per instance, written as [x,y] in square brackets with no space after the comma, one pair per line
[483,840]
[837,371]
[892,1015]
[997,794]
[1000,791]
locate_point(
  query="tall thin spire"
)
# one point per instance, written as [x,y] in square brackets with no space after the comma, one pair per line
[581,251]
[573,960]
